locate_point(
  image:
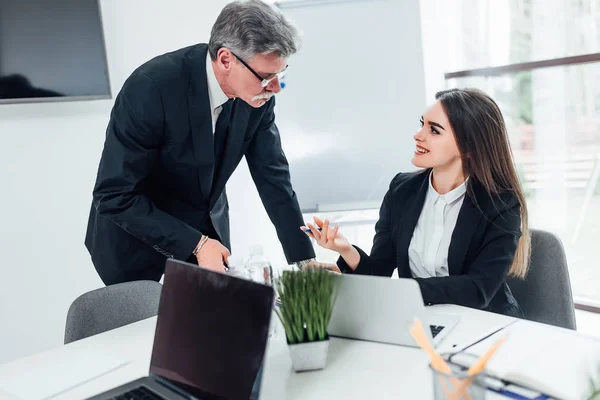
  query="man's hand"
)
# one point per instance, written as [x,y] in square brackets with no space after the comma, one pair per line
[333,268]
[212,255]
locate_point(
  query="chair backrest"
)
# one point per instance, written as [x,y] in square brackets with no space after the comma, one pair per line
[545,294]
[111,307]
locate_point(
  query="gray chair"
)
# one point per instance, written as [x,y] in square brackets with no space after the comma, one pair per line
[545,294]
[111,307]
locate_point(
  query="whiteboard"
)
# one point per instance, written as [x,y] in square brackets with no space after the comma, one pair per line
[352,100]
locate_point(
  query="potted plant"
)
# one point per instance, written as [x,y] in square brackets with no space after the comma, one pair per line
[306,299]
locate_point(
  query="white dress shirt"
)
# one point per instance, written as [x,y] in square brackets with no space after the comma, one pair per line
[428,250]
[216,95]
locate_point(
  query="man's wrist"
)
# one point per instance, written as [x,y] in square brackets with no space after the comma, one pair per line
[303,263]
[201,243]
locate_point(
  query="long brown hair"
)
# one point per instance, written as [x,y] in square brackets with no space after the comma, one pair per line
[483,143]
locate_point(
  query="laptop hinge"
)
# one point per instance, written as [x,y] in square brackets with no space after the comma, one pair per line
[166,383]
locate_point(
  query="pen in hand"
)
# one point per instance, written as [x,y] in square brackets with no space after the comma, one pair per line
[307,230]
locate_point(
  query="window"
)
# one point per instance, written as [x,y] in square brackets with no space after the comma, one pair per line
[484,33]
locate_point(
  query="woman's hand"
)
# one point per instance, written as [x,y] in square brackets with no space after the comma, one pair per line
[329,237]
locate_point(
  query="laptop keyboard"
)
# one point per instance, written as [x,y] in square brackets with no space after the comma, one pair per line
[140,393]
[435,329]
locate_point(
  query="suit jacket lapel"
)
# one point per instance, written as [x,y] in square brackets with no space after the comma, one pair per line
[201,119]
[407,222]
[469,218]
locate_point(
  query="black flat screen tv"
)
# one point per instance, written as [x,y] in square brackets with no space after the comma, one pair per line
[52,50]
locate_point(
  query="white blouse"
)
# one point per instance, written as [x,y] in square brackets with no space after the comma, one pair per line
[428,250]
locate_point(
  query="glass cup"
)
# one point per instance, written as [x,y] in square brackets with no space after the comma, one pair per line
[459,385]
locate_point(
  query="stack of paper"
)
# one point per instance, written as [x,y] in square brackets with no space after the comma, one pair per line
[555,361]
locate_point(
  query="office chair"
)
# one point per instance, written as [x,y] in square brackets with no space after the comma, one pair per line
[111,307]
[545,294]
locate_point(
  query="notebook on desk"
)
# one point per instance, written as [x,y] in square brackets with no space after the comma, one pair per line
[555,361]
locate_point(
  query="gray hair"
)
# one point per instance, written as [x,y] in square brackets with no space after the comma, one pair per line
[252,27]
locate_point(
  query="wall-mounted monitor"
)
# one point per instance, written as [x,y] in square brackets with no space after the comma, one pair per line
[52,50]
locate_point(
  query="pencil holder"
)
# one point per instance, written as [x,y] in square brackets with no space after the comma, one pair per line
[458,385]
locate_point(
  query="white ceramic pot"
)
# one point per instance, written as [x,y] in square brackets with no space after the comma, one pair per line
[309,355]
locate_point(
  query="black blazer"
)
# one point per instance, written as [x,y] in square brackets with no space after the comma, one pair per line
[482,246]
[159,185]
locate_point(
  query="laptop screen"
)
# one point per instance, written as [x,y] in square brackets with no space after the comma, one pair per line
[211,332]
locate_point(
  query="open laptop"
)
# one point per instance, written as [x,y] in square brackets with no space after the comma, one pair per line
[381,309]
[210,338]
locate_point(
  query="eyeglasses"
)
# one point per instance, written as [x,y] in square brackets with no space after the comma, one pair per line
[264,82]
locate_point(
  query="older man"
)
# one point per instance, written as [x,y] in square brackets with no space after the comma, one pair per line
[178,129]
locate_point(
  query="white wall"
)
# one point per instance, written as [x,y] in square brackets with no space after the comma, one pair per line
[49,154]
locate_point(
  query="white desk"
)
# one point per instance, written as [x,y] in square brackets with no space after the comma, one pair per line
[355,369]
[363,370]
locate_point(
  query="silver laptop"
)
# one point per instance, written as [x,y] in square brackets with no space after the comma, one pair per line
[381,309]
[210,339]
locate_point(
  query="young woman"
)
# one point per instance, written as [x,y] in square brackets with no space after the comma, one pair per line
[458,226]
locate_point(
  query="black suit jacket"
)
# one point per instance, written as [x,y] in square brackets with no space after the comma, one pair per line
[482,246]
[159,185]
